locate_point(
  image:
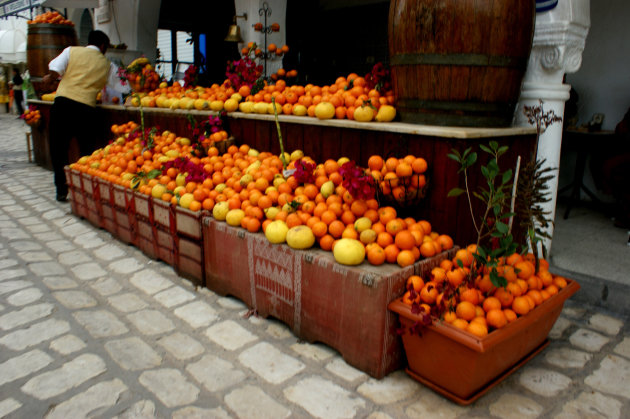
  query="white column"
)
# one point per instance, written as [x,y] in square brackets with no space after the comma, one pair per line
[559,39]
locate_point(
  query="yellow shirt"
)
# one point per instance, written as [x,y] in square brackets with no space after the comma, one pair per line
[85,75]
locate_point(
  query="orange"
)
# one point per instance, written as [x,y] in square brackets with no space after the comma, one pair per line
[375,162]
[496,318]
[477,329]
[456,276]
[408,300]
[510,315]
[438,274]
[536,296]
[504,296]
[471,295]
[396,225]
[419,165]
[560,282]
[429,293]
[427,249]
[391,253]
[491,303]
[465,310]
[520,305]
[525,269]
[445,241]
[326,242]
[384,239]
[460,323]
[376,255]
[465,256]
[403,170]
[404,239]
[415,282]
[405,258]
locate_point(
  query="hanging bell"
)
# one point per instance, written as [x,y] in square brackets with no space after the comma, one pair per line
[234,34]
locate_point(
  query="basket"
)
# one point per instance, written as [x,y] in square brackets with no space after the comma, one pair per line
[403,192]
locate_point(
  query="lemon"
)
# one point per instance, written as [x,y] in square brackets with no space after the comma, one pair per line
[246,107]
[386,113]
[300,237]
[186,199]
[158,190]
[349,252]
[234,217]
[324,110]
[230,105]
[276,231]
[216,105]
[362,224]
[220,210]
[299,110]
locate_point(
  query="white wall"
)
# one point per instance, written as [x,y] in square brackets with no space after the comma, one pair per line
[603,81]
[133,22]
[278,15]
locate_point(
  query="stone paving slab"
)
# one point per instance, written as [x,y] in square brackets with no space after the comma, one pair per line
[91,327]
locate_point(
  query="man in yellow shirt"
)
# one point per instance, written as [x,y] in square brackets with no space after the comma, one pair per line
[84,71]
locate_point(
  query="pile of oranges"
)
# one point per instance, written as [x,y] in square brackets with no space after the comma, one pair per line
[31,116]
[144,79]
[346,94]
[478,306]
[253,182]
[52,17]
[403,180]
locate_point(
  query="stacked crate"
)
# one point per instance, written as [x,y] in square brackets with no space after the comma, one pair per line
[171,233]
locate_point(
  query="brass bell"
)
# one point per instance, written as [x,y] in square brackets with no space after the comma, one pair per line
[234,32]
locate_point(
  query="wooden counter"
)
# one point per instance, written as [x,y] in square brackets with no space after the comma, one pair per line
[336,138]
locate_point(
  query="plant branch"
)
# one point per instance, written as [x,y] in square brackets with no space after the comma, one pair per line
[472,213]
[514,187]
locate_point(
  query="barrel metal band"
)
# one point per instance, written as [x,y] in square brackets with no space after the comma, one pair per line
[458,59]
[52,31]
[453,105]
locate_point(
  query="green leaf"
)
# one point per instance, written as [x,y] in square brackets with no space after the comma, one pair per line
[485,148]
[502,150]
[502,227]
[494,145]
[154,173]
[471,159]
[496,279]
[455,157]
[455,192]
[507,175]
[460,263]
[485,172]
[481,251]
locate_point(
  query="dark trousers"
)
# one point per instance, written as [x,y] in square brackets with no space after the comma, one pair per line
[18,98]
[69,119]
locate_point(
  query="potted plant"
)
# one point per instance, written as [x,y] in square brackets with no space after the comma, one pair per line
[462,352]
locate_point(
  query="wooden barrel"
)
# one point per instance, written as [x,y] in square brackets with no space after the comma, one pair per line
[43,43]
[459,62]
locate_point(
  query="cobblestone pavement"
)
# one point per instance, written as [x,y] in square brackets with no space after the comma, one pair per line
[92,327]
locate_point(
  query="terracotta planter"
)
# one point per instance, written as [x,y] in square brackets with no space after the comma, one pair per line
[463,367]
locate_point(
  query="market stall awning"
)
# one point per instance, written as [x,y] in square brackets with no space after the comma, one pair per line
[12,46]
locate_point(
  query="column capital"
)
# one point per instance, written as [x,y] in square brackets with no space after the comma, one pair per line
[559,39]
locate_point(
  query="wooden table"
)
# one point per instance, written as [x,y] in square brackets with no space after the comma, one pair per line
[583,143]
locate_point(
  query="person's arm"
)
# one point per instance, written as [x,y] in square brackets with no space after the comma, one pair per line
[56,69]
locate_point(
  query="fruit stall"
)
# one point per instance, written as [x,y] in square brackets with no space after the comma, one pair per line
[325,139]
[353,212]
